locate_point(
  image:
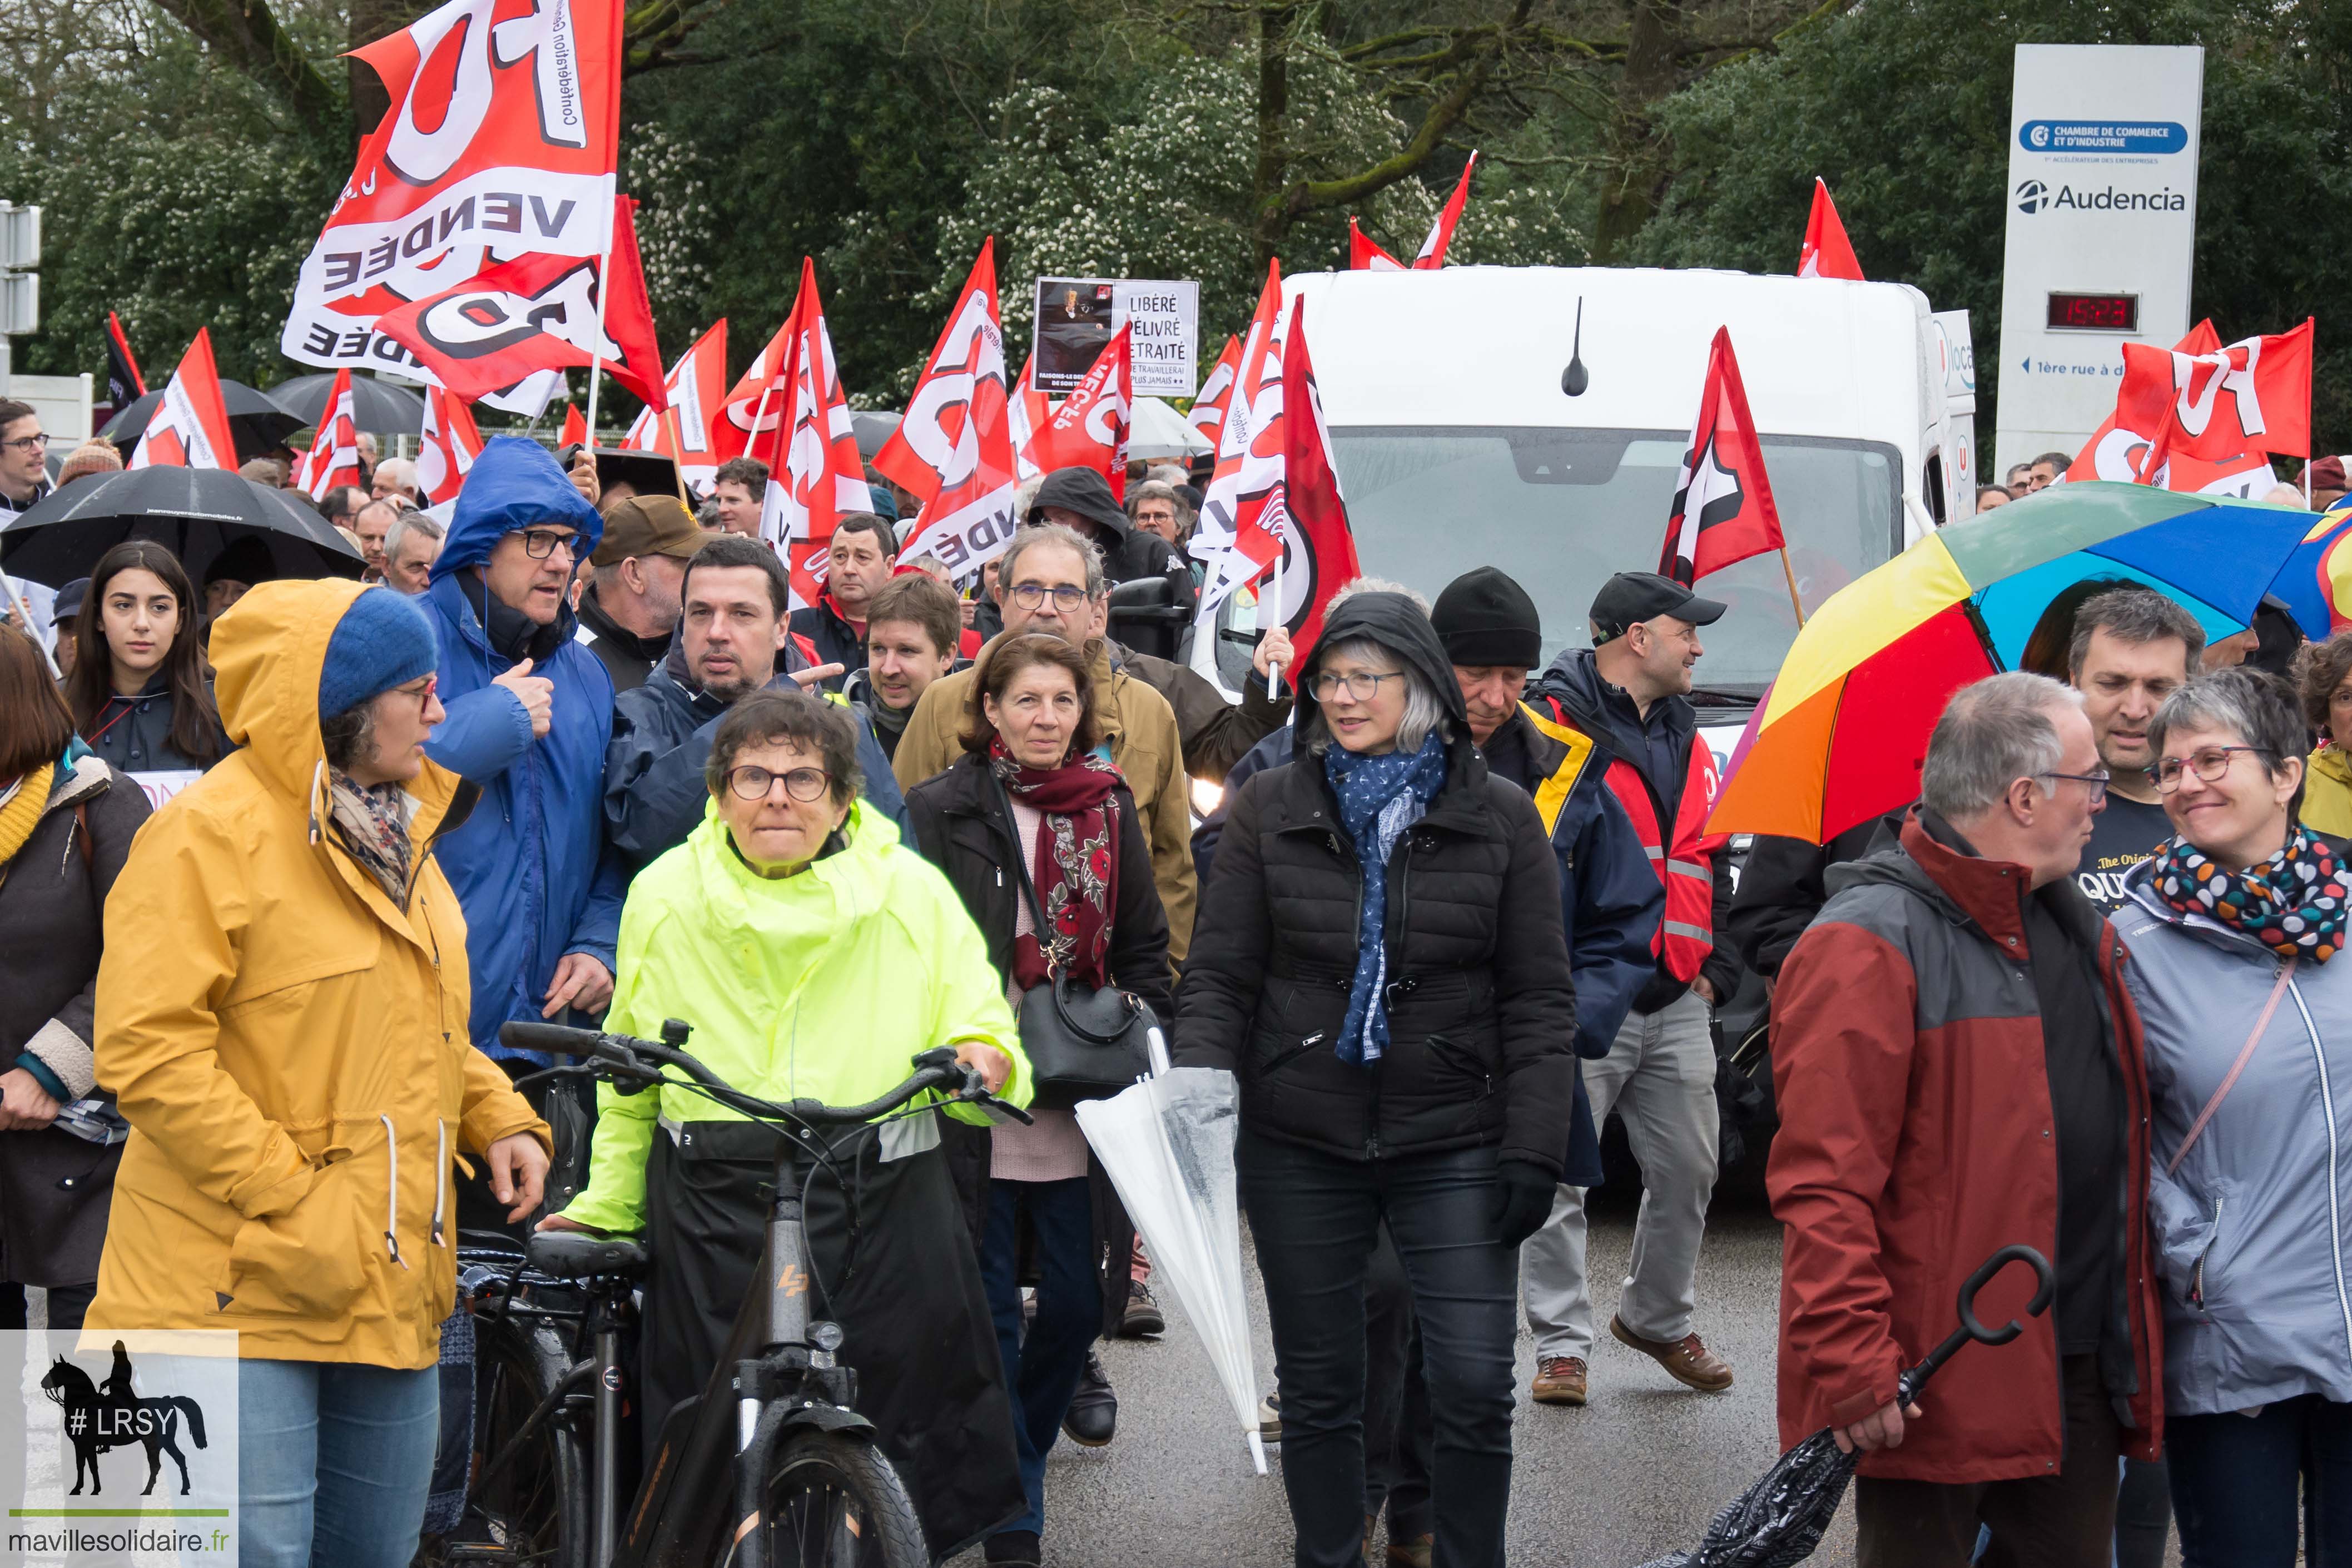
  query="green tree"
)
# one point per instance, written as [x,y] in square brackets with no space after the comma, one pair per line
[1903,105]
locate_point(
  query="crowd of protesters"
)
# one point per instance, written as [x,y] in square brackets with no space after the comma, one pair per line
[569,750]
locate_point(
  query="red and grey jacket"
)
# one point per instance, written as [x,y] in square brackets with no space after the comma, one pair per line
[1916,1139]
[1685,857]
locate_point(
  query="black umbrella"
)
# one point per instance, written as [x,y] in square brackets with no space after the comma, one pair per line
[1780,1520]
[376,406]
[196,513]
[256,425]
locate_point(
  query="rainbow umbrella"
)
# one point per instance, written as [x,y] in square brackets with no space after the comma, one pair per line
[1845,725]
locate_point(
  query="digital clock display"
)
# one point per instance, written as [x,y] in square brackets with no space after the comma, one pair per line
[2094,312]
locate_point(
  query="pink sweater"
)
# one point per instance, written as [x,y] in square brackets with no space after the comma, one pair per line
[1053,1150]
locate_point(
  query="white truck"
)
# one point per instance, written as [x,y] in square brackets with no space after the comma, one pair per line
[1457,445]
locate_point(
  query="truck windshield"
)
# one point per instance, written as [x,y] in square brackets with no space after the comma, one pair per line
[1561,509]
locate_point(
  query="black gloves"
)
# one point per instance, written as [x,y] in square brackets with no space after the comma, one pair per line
[1522,1201]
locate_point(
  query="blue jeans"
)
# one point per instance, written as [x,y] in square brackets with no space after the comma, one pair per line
[2243,1487]
[1042,1371]
[1317,1219]
[333,1462]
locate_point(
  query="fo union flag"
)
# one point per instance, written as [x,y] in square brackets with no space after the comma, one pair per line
[499,143]
[955,446]
[2119,452]
[684,431]
[333,458]
[1240,515]
[445,453]
[2253,396]
[815,477]
[1088,430]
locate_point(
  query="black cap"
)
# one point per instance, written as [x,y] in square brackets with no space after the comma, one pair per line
[70,598]
[1484,619]
[1632,596]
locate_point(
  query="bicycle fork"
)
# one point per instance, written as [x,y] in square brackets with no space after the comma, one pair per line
[787,1265]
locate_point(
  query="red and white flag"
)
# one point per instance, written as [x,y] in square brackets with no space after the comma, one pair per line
[1826,253]
[1366,255]
[752,406]
[539,313]
[499,143]
[2119,453]
[189,428]
[1723,508]
[1320,546]
[1088,429]
[445,453]
[1240,527]
[1208,414]
[333,460]
[954,448]
[685,430]
[2254,396]
[1027,414]
[815,477]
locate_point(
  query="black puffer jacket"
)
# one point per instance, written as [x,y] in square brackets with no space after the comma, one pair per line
[1482,1013]
[133,734]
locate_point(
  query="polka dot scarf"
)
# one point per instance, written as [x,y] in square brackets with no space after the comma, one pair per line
[2293,903]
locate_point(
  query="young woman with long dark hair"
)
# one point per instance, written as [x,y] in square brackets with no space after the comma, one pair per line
[139,690]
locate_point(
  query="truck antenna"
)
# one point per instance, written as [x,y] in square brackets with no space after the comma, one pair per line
[1575,379]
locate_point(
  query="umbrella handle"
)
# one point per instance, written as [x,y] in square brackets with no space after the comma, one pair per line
[1971,1327]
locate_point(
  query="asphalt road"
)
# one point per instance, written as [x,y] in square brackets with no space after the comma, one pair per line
[1636,1473]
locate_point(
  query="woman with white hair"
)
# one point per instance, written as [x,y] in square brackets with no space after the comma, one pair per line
[1380,962]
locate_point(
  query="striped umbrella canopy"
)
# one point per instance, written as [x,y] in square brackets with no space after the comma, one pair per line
[1842,732]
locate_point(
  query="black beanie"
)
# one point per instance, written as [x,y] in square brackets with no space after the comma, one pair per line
[1483,618]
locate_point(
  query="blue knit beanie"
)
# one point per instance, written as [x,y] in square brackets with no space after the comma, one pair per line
[383,640]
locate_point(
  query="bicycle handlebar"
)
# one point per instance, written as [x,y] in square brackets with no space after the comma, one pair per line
[624,1056]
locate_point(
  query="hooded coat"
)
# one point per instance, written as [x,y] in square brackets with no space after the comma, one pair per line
[287,1044]
[1909,1069]
[133,734]
[1127,551]
[54,1186]
[1481,1009]
[2327,793]
[531,865]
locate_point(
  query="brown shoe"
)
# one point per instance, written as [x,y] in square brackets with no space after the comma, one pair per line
[1559,1380]
[1412,1553]
[1686,1359]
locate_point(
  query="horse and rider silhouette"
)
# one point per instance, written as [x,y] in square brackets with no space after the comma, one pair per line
[97,1418]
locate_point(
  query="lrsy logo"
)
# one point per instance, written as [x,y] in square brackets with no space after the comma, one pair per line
[98,1417]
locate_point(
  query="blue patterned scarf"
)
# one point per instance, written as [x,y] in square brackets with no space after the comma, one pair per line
[1379,797]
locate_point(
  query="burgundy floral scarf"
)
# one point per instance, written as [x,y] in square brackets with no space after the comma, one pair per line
[1076,868]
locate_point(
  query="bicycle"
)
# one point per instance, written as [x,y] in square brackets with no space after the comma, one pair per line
[772,1467]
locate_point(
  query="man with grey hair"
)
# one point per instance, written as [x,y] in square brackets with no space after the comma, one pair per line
[1050,580]
[1957,1068]
[410,548]
[395,480]
[1154,506]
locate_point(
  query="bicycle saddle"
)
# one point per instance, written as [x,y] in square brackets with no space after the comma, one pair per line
[573,1255]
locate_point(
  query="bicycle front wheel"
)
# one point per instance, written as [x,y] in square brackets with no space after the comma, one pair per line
[834,1502]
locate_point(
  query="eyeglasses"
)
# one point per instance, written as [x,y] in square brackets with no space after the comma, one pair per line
[803,784]
[2211,763]
[539,544]
[1032,596]
[1360,687]
[28,443]
[422,691]
[2095,784]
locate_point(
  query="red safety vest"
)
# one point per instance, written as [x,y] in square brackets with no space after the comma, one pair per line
[1686,935]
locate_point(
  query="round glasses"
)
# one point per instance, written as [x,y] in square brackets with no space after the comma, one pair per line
[1360,687]
[752,782]
[2211,763]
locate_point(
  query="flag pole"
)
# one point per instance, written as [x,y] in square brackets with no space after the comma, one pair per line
[1273,670]
[1789,570]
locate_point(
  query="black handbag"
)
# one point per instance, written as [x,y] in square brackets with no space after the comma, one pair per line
[1083,1042]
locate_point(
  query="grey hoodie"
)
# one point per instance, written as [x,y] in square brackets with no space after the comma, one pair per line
[2250,1230]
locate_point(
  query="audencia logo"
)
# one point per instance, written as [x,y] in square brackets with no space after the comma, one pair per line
[98,1417]
[2033,196]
